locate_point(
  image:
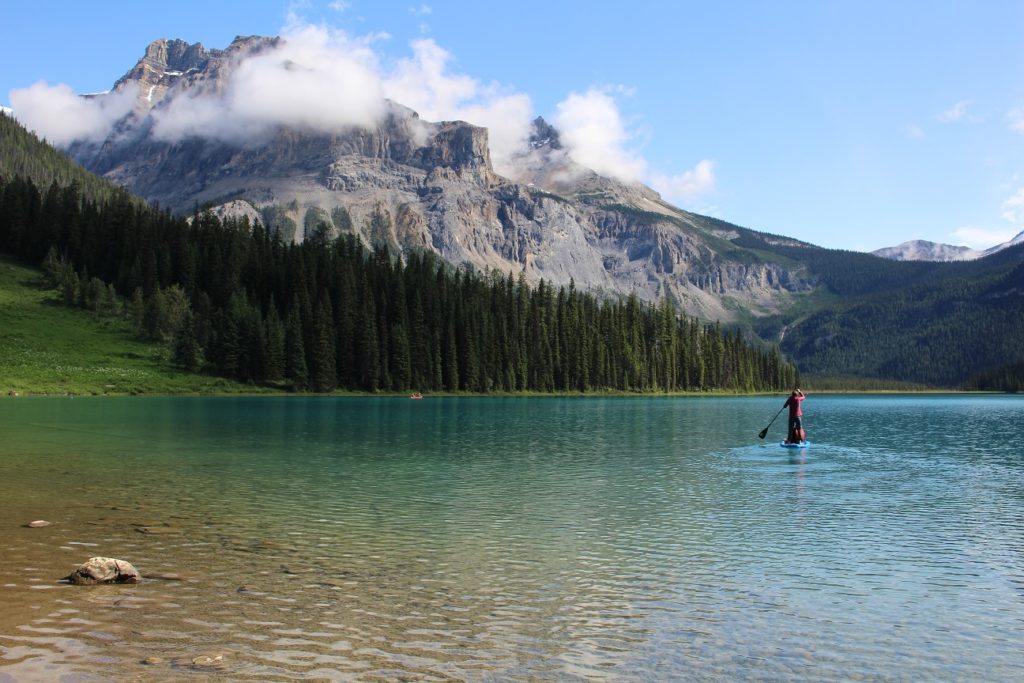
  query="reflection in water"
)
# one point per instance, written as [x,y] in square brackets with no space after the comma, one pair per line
[632,539]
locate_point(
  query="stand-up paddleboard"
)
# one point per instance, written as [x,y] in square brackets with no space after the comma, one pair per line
[802,444]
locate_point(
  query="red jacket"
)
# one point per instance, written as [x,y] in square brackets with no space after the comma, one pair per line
[794,405]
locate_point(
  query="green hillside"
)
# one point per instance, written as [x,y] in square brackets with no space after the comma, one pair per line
[26,156]
[954,323]
[47,347]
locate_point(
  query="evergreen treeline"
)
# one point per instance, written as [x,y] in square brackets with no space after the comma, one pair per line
[26,156]
[940,332]
[229,298]
[1008,378]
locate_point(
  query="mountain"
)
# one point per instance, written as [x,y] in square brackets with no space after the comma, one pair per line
[1018,239]
[423,186]
[945,324]
[225,298]
[923,250]
[416,184]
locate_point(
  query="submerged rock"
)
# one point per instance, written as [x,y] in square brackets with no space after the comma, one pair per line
[158,530]
[39,523]
[209,662]
[104,570]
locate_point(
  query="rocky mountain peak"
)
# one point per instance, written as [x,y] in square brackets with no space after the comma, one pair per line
[924,250]
[416,184]
[461,147]
[162,65]
[544,134]
[166,63]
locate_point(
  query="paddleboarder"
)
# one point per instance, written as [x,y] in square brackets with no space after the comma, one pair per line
[796,427]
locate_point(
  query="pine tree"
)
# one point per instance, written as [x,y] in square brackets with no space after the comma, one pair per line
[323,373]
[275,344]
[295,353]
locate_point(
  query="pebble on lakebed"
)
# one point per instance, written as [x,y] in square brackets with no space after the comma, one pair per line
[38,524]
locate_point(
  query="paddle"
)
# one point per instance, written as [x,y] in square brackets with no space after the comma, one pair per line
[764,431]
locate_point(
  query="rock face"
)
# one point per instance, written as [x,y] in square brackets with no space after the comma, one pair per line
[104,570]
[414,184]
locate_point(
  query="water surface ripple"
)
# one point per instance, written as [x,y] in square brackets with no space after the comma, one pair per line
[514,539]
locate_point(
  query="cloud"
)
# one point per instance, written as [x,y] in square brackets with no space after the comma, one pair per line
[983,238]
[323,80]
[688,185]
[1013,210]
[915,132]
[422,10]
[56,113]
[314,80]
[1016,119]
[425,83]
[955,113]
[592,130]
[595,135]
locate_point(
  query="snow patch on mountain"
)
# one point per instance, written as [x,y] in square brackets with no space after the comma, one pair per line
[923,250]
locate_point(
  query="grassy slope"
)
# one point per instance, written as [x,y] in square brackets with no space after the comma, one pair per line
[48,348]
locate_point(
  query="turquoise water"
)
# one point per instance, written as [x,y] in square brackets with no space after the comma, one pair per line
[514,539]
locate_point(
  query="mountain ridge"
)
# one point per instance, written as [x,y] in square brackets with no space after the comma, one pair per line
[925,250]
[431,185]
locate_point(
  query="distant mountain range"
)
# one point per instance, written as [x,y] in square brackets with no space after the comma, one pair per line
[419,185]
[923,250]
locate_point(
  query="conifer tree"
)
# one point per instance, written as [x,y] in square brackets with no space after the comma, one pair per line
[323,372]
[295,353]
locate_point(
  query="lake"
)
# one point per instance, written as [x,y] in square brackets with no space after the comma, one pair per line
[633,539]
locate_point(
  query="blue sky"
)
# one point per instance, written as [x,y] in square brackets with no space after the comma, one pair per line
[852,125]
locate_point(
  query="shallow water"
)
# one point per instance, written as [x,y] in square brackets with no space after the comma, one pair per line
[524,539]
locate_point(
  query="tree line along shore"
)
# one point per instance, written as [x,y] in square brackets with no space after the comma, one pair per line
[228,300]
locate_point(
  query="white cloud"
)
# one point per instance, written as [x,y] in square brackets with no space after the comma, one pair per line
[424,83]
[56,113]
[1013,210]
[1016,119]
[592,130]
[955,113]
[694,183]
[314,80]
[323,80]
[339,5]
[422,10]
[982,238]
[508,120]
[915,132]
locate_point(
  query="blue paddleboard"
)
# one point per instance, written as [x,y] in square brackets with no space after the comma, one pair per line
[802,444]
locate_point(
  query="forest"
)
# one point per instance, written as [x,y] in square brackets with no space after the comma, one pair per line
[229,298]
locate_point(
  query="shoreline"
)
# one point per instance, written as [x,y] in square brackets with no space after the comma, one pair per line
[270,393]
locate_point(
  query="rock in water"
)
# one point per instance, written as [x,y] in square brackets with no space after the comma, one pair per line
[104,570]
[37,524]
